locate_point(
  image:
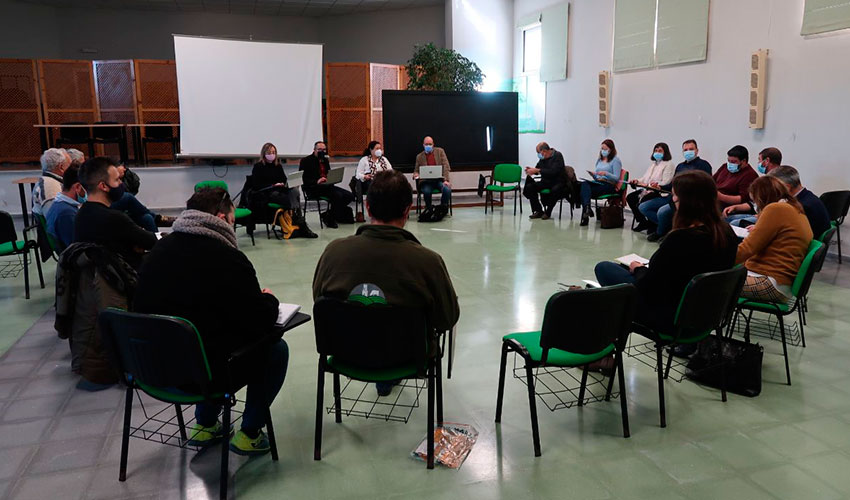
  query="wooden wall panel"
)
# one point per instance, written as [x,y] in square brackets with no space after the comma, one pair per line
[20,109]
[156,94]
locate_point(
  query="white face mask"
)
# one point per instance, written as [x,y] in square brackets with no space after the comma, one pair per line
[378,153]
[270,157]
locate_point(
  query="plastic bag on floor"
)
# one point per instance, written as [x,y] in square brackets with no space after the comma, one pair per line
[452,444]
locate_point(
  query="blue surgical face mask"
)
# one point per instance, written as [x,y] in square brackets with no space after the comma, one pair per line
[604,153]
[429,148]
[539,156]
[689,155]
[761,168]
[82,199]
[732,167]
[658,156]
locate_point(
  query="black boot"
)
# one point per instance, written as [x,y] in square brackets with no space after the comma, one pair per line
[304,230]
[329,220]
[585,216]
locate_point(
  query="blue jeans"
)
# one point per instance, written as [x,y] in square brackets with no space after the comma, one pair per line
[429,186]
[736,219]
[263,387]
[590,190]
[137,211]
[665,219]
[610,273]
[649,208]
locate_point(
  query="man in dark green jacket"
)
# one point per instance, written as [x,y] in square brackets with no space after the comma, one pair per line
[387,261]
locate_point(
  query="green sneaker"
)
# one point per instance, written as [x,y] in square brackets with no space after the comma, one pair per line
[205,436]
[241,444]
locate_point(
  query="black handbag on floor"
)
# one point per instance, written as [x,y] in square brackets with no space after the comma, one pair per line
[611,216]
[743,365]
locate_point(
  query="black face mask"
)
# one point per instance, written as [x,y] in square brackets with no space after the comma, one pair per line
[322,155]
[115,193]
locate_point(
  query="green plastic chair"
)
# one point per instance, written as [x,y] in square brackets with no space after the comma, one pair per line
[570,337]
[799,290]
[156,354]
[242,215]
[11,245]
[45,237]
[620,194]
[504,173]
[706,305]
[359,339]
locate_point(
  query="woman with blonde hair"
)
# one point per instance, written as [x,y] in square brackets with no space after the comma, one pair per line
[268,185]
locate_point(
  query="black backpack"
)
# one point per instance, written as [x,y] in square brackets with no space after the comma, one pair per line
[434,214]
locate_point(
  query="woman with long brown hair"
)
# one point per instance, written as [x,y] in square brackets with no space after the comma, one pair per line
[606,176]
[699,242]
[777,243]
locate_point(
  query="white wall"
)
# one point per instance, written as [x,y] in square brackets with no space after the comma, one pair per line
[45,32]
[482,30]
[808,105]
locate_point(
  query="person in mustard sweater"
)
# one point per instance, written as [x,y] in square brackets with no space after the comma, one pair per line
[777,243]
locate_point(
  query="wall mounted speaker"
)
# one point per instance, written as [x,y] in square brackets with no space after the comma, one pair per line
[758,81]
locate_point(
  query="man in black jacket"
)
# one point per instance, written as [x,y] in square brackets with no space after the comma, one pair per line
[97,223]
[553,176]
[197,273]
[316,167]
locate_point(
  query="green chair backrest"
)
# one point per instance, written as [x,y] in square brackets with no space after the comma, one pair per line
[707,302]
[507,173]
[813,260]
[51,241]
[156,351]
[826,236]
[211,185]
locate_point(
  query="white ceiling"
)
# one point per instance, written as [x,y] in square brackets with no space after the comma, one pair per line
[309,8]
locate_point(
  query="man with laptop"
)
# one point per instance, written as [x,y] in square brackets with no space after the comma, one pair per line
[432,170]
[319,180]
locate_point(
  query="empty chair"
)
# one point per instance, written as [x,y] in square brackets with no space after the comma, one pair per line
[158,135]
[74,136]
[111,135]
[837,204]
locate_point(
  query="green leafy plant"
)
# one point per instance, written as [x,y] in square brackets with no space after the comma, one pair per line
[433,68]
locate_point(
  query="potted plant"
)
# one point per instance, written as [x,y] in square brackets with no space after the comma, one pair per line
[435,68]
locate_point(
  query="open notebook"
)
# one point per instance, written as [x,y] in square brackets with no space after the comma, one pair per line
[740,232]
[626,260]
[285,312]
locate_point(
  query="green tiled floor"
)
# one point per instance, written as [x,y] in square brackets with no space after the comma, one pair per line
[790,442]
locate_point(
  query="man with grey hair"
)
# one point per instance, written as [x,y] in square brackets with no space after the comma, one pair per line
[54,162]
[815,209]
[77,157]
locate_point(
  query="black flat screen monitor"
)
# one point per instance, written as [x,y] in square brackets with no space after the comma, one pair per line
[477,129]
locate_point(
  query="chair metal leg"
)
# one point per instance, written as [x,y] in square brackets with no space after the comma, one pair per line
[658,368]
[722,366]
[430,430]
[532,407]
[337,400]
[38,266]
[270,432]
[438,363]
[180,423]
[320,396]
[515,193]
[802,323]
[621,378]
[611,384]
[501,393]
[669,362]
[784,347]
[27,272]
[125,434]
[838,237]
[583,385]
[225,448]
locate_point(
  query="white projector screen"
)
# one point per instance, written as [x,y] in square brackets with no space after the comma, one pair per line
[237,95]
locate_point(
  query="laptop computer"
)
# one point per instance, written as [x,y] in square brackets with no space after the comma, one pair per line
[335,175]
[431,172]
[295,179]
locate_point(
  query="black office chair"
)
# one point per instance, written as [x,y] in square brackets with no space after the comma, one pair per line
[837,204]
[707,304]
[570,337]
[10,245]
[74,136]
[158,135]
[111,135]
[370,341]
[158,354]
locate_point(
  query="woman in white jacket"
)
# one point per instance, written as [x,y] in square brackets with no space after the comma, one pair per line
[660,173]
[373,161]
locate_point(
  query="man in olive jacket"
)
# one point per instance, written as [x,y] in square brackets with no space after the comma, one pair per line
[385,260]
[433,156]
